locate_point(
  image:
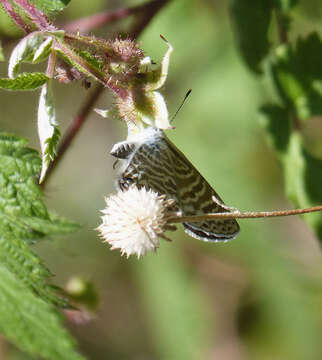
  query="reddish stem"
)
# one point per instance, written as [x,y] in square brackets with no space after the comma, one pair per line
[88,23]
[37,17]
[15,17]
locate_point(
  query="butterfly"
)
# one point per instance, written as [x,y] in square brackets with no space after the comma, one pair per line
[149,159]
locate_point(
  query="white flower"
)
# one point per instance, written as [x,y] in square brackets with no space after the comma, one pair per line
[134,220]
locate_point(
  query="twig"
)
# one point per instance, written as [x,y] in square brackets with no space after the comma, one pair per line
[89,23]
[243,215]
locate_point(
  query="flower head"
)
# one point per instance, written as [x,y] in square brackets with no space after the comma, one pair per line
[134,220]
[141,104]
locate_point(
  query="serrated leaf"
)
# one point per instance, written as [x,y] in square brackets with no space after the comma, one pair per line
[30,323]
[24,51]
[47,128]
[53,225]
[28,268]
[22,211]
[297,74]
[24,81]
[302,171]
[251,20]
[43,51]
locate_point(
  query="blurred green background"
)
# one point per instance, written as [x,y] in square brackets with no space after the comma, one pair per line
[256,297]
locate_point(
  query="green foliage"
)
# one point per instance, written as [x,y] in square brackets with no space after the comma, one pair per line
[43,51]
[24,52]
[27,317]
[302,171]
[50,7]
[23,213]
[95,62]
[251,21]
[24,81]
[26,266]
[297,74]
[48,130]
[31,323]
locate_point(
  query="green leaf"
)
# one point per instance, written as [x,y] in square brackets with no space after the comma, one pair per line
[251,21]
[91,59]
[297,74]
[47,128]
[302,171]
[24,81]
[24,52]
[28,268]
[22,212]
[27,316]
[43,51]
[30,323]
[50,7]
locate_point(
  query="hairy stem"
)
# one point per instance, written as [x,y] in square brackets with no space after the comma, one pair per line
[243,215]
[15,17]
[37,17]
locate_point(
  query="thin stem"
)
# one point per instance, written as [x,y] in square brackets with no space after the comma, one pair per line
[51,65]
[15,17]
[243,215]
[89,23]
[282,33]
[147,12]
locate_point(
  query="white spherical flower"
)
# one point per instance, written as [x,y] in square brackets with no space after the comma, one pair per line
[134,220]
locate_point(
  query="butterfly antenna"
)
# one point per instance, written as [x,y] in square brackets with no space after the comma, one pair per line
[183,101]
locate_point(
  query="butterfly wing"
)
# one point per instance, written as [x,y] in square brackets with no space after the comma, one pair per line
[160,166]
[195,197]
[150,166]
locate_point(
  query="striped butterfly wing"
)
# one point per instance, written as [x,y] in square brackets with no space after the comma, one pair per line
[160,166]
[195,197]
[151,166]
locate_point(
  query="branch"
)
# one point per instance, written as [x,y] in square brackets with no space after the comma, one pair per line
[243,215]
[89,23]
